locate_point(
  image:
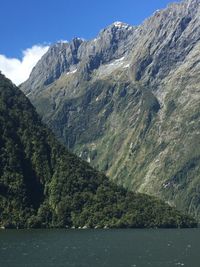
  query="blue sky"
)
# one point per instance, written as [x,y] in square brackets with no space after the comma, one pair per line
[28,27]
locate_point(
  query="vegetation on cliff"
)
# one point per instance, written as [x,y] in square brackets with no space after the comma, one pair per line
[44,185]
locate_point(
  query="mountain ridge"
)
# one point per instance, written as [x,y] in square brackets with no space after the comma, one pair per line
[130,106]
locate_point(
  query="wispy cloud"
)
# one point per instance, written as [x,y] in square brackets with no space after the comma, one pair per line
[19,70]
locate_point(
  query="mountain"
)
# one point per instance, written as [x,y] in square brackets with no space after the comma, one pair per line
[128,102]
[44,185]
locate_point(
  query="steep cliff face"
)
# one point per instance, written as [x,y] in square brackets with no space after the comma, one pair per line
[128,102]
[81,57]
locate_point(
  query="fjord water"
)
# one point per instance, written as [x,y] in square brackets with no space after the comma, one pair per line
[100,248]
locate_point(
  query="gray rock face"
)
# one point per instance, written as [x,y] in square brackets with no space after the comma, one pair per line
[129,102]
[60,58]
[86,56]
[161,41]
[166,40]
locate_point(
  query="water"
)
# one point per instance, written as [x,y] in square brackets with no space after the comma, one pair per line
[100,248]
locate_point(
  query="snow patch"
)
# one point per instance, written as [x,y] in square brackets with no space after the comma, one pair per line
[81,39]
[126,66]
[95,39]
[119,24]
[107,69]
[71,72]
[157,11]
[28,94]
[120,59]
[117,62]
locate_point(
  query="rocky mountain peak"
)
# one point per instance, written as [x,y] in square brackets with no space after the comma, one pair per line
[63,57]
[117,29]
[121,25]
[162,32]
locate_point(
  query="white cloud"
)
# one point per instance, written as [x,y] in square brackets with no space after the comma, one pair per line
[19,70]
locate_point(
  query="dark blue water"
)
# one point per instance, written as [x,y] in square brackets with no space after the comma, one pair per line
[99,248]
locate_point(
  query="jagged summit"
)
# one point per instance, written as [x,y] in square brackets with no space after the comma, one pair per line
[119,24]
[112,43]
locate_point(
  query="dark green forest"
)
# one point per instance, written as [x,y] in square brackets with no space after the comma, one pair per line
[44,185]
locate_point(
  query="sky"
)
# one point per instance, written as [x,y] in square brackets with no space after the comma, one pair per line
[28,27]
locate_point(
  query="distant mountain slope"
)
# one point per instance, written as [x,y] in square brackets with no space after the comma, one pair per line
[43,185]
[128,102]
